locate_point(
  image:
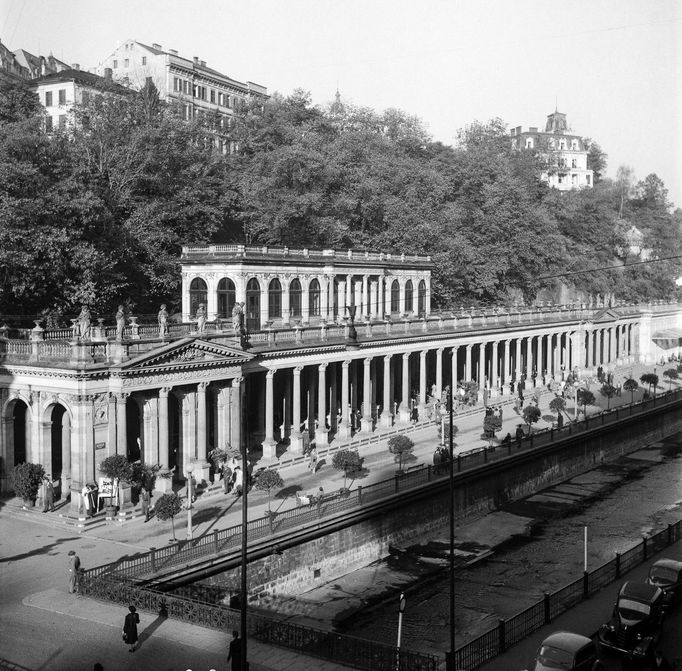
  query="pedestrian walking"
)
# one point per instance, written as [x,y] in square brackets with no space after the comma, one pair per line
[74,571]
[237,481]
[414,415]
[519,435]
[144,503]
[235,652]
[226,474]
[312,458]
[48,499]
[130,628]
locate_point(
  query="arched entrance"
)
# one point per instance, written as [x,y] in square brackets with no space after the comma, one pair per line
[253,305]
[56,441]
[133,439]
[174,435]
[19,432]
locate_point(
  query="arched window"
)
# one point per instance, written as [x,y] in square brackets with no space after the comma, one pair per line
[253,305]
[395,296]
[295,298]
[314,299]
[197,294]
[409,296]
[529,143]
[226,297]
[421,300]
[275,299]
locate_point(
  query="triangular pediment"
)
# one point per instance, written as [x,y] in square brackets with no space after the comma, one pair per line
[605,315]
[186,352]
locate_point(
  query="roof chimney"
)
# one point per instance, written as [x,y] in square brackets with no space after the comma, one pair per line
[157,46]
[75,66]
[196,60]
[107,73]
[203,64]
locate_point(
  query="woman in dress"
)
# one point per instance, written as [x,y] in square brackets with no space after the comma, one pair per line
[130,628]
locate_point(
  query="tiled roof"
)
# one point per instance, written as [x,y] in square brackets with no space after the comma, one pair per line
[80,77]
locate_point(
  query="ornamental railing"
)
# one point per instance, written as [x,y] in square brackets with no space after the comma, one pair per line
[225,541]
[328,645]
[510,631]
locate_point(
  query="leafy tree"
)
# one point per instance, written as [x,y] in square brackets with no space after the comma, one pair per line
[268,480]
[348,461]
[558,405]
[585,397]
[632,386]
[491,425]
[650,379]
[167,507]
[26,480]
[671,374]
[531,415]
[18,102]
[596,159]
[400,446]
[608,391]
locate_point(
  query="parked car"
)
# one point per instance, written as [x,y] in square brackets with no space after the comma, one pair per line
[635,626]
[567,651]
[666,574]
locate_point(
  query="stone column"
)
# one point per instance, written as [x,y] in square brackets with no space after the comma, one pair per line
[66,453]
[453,371]
[305,302]
[386,418]
[324,297]
[367,394]
[341,299]
[202,467]
[163,484]
[405,401]
[387,294]
[540,364]
[285,302]
[506,365]
[365,296]
[556,356]
[517,360]
[401,297]
[529,360]
[269,443]
[373,299]
[321,436]
[613,353]
[296,438]
[121,424]
[467,364]
[439,371]
[236,413]
[422,378]
[349,292]
[344,423]
[481,366]
[493,369]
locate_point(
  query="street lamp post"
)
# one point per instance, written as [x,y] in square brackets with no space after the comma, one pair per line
[451,660]
[189,468]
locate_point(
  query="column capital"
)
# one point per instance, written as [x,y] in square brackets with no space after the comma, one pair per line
[406,355]
[345,363]
[270,374]
[470,346]
[322,366]
[122,396]
[298,370]
[440,350]
[368,360]
[387,358]
[202,386]
[236,382]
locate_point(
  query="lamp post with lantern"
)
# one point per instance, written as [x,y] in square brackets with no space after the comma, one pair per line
[189,468]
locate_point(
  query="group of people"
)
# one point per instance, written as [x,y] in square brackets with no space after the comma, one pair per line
[232,476]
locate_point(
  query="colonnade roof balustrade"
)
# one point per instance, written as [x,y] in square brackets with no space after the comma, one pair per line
[62,348]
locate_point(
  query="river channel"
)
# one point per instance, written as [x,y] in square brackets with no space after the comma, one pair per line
[637,495]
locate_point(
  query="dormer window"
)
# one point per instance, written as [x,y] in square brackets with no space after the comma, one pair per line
[574,145]
[562,145]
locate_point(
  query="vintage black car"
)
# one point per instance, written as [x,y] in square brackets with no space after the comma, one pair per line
[635,626]
[567,651]
[666,574]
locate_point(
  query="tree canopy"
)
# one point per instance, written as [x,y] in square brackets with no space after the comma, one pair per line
[106,205]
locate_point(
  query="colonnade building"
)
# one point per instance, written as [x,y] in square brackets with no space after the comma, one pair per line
[303,369]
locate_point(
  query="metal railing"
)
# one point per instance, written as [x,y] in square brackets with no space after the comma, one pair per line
[340,648]
[226,540]
[508,632]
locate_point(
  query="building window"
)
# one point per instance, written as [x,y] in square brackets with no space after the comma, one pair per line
[212,95]
[587,179]
[562,145]
[574,163]
[551,143]
[115,64]
[126,63]
[395,296]
[220,98]
[226,297]
[48,98]
[529,143]
[314,299]
[421,298]
[275,299]
[560,179]
[295,298]
[574,145]
[48,124]
[228,101]
[62,121]
[186,87]
[197,294]
[62,96]
[409,296]
[574,180]
[144,60]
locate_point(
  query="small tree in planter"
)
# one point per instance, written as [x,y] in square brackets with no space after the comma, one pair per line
[348,461]
[651,379]
[631,385]
[585,398]
[491,425]
[558,405]
[671,374]
[400,446]
[531,414]
[118,469]
[609,391]
[268,480]
[167,507]
[143,475]
[26,479]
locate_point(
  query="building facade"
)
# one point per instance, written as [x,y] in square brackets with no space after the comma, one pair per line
[190,83]
[167,394]
[22,64]
[564,152]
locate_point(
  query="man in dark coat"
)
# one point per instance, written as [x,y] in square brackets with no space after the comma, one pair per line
[130,628]
[49,495]
[235,653]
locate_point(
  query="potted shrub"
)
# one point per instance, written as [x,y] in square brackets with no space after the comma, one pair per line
[400,446]
[348,461]
[26,479]
[167,507]
[118,469]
